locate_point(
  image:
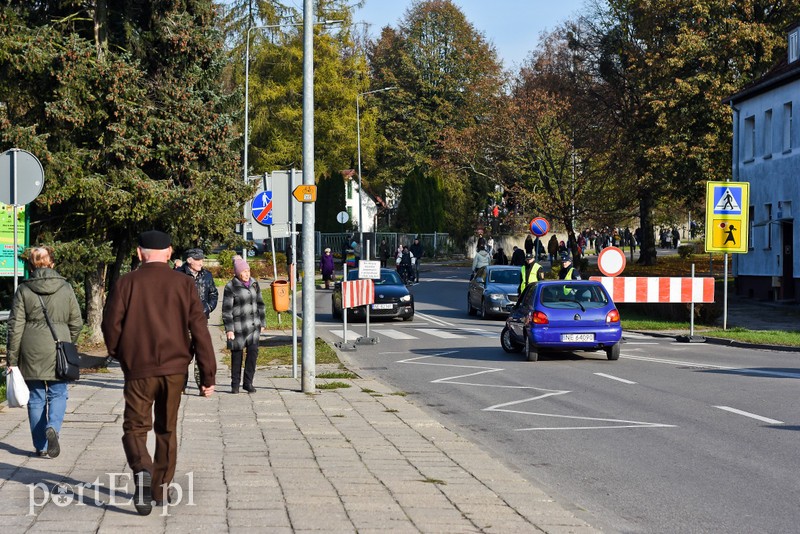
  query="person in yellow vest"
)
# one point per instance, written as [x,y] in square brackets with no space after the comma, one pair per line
[568,272]
[530,273]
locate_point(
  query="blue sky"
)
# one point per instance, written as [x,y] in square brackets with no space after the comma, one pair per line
[513,26]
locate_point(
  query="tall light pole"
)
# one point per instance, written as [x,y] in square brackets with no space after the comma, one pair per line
[358,137]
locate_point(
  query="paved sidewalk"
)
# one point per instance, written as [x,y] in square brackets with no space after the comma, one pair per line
[358,459]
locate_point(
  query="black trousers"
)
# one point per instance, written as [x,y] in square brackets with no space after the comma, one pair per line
[249,365]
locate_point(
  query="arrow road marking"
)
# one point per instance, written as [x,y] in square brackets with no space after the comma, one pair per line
[544,393]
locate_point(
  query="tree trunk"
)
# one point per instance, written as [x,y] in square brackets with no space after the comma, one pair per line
[647,251]
[95,286]
[101,28]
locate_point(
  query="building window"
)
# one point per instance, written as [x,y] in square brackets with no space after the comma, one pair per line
[349,188]
[787,127]
[768,133]
[794,46]
[749,138]
[768,239]
[751,215]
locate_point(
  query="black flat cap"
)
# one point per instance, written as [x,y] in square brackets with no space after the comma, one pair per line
[155,240]
[195,254]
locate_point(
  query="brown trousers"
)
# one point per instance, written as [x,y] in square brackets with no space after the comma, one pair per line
[144,397]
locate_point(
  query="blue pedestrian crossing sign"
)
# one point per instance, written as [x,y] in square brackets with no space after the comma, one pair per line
[727,216]
[262,208]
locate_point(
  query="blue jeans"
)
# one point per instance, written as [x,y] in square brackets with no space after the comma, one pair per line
[46,407]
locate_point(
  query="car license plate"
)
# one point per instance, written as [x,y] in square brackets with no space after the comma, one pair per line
[382,306]
[571,338]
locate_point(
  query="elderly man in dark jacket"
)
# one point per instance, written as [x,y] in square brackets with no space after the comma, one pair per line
[148,319]
[206,290]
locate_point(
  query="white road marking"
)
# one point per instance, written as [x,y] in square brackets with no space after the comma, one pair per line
[626,343]
[699,365]
[634,335]
[352,336]
[439,333]
[393,334]
[435,320]
[751,415]
[457,380]
[618,379]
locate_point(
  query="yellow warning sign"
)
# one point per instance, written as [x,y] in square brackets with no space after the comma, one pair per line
[727,211]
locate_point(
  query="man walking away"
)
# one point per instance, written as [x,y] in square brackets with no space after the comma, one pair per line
[148,319]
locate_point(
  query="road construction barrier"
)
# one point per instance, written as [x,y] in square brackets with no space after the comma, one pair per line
[642,289]
[358,293]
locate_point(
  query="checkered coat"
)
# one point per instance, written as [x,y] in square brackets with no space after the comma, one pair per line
[243,312]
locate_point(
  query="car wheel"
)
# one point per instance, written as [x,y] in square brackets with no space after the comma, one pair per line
[530,350]
[470,309]
[507,342]
[337,314]
[482,310]
[408,318]
[613,352]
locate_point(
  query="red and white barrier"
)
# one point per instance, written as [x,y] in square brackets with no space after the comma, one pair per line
[658,289]
[358,293]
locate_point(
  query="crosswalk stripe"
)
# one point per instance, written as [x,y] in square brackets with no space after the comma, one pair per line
[352,336]
[394,334]
[439,333]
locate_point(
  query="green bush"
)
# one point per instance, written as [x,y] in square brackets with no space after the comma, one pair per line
[685,251]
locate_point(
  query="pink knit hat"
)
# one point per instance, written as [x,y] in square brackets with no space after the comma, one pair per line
[239,265]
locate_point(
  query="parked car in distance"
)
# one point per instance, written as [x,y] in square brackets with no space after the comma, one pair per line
[563,316]
[392,299]
[493,290]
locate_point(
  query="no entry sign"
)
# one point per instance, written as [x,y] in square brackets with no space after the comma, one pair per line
[540,226]
[611,261]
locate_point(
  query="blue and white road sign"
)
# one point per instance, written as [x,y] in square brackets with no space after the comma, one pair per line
[727,199]
[262,208]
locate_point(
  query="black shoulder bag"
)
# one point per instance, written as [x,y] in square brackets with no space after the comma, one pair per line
[68,361]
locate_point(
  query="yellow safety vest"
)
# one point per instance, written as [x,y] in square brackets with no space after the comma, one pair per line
[527,280]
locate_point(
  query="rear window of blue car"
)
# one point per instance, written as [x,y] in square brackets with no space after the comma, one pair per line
[565,296]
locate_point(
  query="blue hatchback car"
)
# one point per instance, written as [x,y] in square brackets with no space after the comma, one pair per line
[563,316]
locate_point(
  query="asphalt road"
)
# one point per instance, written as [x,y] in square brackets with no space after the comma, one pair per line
[671,438]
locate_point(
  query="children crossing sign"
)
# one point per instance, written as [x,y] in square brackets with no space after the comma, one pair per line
[727,207]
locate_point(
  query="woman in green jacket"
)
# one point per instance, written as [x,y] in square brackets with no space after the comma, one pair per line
[32,349]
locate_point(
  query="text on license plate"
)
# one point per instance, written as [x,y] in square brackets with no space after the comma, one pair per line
[577,337]
[382,306]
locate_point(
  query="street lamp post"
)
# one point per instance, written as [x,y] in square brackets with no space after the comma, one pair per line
[358,138]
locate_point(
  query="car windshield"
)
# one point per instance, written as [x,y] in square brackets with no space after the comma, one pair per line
[564,296]
[388,278]
[504,276]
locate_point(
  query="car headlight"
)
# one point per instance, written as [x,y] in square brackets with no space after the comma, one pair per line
[497,298]
[405,298]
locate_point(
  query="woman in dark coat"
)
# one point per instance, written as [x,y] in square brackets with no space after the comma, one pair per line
[32,349]
[326,267]
[243,314]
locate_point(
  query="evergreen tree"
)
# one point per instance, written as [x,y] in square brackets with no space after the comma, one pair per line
[124,109]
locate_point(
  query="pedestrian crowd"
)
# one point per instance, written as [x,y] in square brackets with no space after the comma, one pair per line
[155,323]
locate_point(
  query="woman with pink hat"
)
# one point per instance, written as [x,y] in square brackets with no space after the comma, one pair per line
[243,314]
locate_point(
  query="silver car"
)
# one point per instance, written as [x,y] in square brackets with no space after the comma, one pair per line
[493,290]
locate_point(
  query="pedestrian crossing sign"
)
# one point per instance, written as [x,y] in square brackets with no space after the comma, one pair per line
[727,211]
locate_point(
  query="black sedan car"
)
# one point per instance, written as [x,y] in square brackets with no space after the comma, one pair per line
[493,290]
[392,299]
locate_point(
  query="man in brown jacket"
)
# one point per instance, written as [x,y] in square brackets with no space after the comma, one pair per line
[146,325]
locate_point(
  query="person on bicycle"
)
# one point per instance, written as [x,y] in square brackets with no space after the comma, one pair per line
[405,265]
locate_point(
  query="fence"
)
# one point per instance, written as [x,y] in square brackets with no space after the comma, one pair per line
[435,244]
